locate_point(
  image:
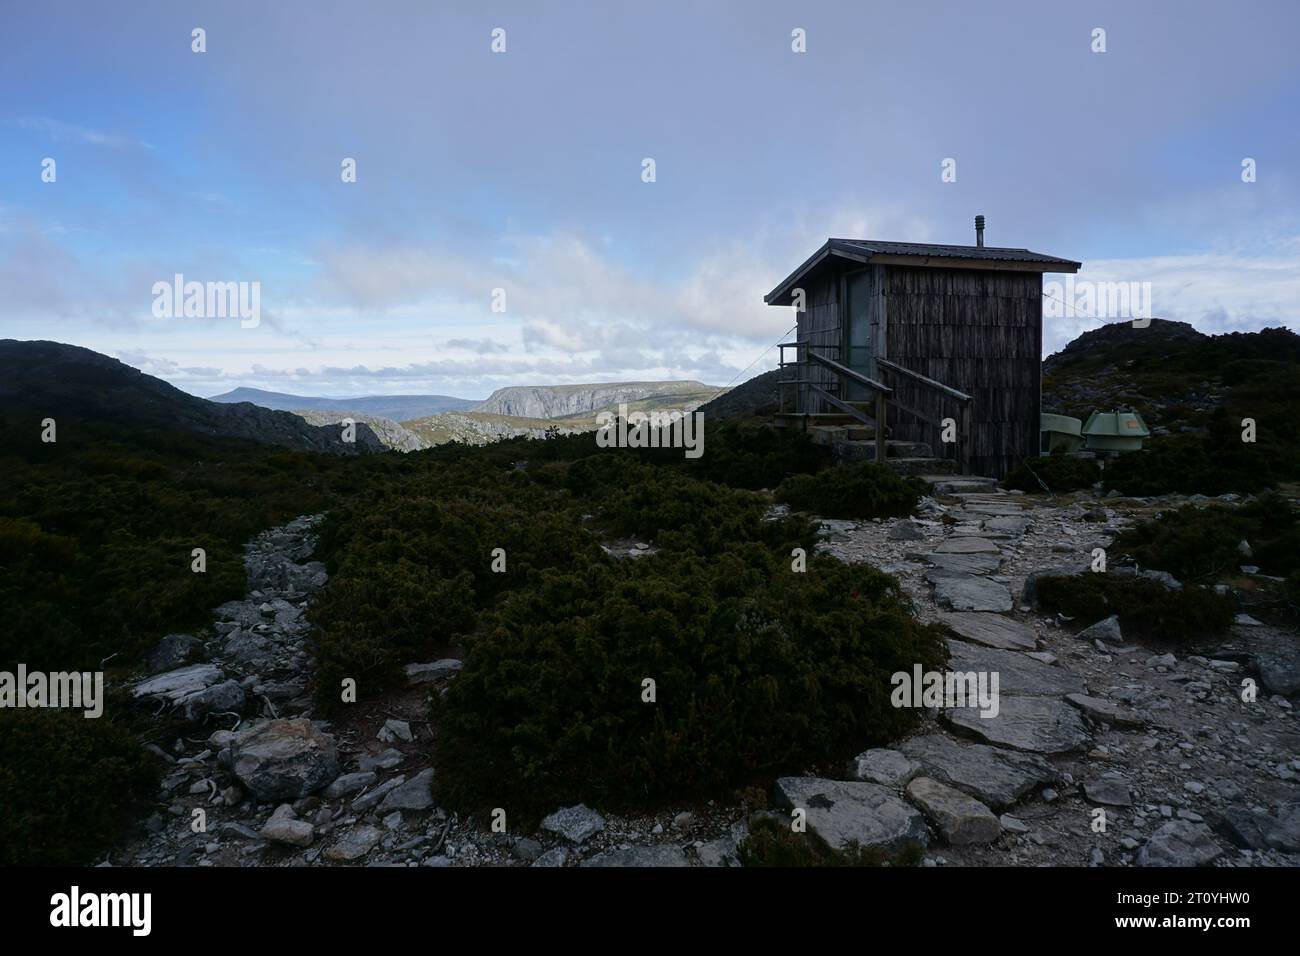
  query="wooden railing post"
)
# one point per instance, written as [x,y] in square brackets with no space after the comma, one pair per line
[964,453]
[880,428]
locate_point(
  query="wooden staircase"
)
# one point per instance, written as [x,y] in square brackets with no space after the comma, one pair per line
[853,441]
[851,430]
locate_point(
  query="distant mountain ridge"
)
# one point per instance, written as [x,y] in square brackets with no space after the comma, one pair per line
[69,382]
[398,408]
[566,401]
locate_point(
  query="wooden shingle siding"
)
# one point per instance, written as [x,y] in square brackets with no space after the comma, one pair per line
[820,325]
[976,331]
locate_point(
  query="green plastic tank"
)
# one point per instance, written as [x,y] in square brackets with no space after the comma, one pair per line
[1059,433]
[1115,431]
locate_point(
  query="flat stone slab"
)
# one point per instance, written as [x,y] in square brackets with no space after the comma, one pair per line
[1112,793]
[1008,524]
[435,670]
[1180,843]
[354,844]
[415,794]
[995,777]
[840,812]
[1044,725]
[1105,711]
[640,856]
[1018,674]
[576,824]
[992,508]
[991,630]
[965,563]
[966,592]
[176,685]
[889,768]
[967,545]
[960,819]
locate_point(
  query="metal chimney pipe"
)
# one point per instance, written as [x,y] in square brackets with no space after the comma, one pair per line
[979,231]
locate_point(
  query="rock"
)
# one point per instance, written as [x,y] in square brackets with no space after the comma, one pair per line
[1105,711]
[1280,674]
[354,844]
[640,856]
[1007,524]
[415,794]
[964,545]
[226,697]
[437,670]
[958,818]
[832,528]
[348,783]
[393,821]
[1044,725]
[1245,620]
[527,850]
[995,777]
[1284,833]
[905,531]
[245,647]
[1018,675]
[719,852]
[395,730]
[1112,793]
[285,827]
[387,760]
[576,824]
[1180,843]
[1013,824]
[839,812]
[557,856]
[369,799]
[1107,631]
[1167,661]
[889,768]
[284,759]
[967,592]
[174,686]
[991,630]
[965,563]
[1245,828]
[683,820]
[235,831]
[174,651]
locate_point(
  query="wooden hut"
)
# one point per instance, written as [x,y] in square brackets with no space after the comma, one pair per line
[941,345]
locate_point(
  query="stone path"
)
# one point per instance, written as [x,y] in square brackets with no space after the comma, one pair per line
[1184,771]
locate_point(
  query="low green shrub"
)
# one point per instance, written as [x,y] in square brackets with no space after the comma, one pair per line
[1057,471]
[1208,464]
[859,490]
[1203,543]
[756,669]
[1145,607]
[68,786]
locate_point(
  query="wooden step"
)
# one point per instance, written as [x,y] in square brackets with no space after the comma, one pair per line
[928,467]
[853,450]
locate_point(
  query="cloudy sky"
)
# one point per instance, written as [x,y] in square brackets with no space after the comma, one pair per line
[522,171]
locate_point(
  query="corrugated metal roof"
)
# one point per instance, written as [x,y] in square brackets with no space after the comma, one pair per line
[863,250]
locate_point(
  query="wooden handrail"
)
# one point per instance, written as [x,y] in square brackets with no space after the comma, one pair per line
[846,372]
[918,377]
